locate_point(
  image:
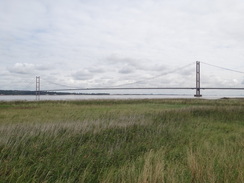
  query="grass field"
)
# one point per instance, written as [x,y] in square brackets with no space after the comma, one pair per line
[134,141]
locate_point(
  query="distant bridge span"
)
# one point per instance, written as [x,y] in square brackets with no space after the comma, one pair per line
[149,88]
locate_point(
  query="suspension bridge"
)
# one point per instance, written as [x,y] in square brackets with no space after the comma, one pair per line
[197,86]
[172,82]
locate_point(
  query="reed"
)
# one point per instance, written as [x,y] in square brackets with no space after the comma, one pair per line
[137,141]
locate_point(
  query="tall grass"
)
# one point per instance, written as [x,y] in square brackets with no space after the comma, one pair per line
[141,141]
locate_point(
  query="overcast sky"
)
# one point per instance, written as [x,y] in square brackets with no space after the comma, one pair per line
[103,43]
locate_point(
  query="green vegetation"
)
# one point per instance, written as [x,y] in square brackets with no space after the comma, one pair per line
[135,141]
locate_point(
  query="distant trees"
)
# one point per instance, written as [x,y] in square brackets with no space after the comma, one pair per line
[26,92]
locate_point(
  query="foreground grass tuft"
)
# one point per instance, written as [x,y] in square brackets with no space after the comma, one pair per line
[137,141]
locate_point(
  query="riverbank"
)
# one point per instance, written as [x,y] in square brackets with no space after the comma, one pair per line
[163,140]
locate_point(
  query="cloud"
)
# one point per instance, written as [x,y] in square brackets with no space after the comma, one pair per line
[114,42]
[126,70]
[22,68]
[118,60]
[28,68]
[129,64]
[46,67]
[97,69]
[82,75]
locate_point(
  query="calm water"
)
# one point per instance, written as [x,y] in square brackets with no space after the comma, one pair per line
[134,94]
[84,97]
[93,97]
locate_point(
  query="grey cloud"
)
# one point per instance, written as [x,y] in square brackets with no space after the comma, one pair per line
[242,82]
[22,68]
[155,67]
[128,65]
[96,70]
[126,70]
[44,67]
[115,60]
[187,72]
[82,75]
[28,68]
[89,73]
[3,72]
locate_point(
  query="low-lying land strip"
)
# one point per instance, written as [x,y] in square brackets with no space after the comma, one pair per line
[165,140]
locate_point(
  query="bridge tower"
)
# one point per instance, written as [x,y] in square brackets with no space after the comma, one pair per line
[38,87]
[198,79]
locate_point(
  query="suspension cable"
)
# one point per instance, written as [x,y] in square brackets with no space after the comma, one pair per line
[166,73]
[224,68]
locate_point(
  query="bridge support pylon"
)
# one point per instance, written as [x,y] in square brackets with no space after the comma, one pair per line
[197,80]
[38,87]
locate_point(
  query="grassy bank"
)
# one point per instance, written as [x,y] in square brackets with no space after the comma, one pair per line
[137,141]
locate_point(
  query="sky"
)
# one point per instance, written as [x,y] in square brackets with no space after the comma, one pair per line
[120,43]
